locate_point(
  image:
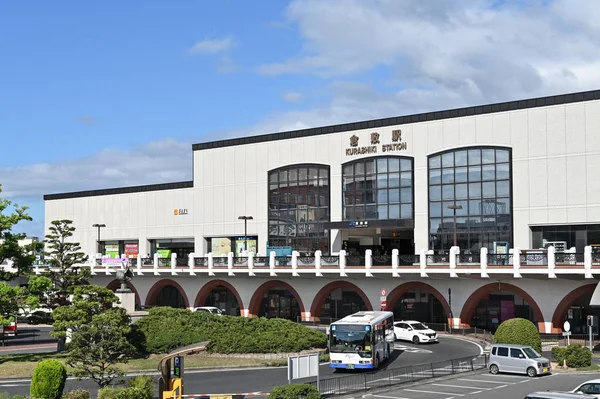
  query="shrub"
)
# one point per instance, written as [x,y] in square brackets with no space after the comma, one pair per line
[295,391]
[48,380]
[166,329]
[143,385]
[5,395]
[519,332]
[77,394]
[578,356]
[559,354]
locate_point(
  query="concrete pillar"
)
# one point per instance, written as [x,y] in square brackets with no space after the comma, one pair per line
[454,251]
[587,261]
[517,263]
[295,255]
[551,261]
[318,263]
[368,263]
[173,264]
[272,264]
[423,262]
[155,259]
[191,264]
[250,265]
[484,262]
[343,263]
[210,264]
[395,263]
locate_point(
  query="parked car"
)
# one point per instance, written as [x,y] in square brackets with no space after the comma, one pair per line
[591,387]
[555,395]
[519,359]
[211,310]
[415,331]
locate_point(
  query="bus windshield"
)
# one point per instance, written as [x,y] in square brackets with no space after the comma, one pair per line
[350,339]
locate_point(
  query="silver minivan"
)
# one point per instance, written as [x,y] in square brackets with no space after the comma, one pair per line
[521,359]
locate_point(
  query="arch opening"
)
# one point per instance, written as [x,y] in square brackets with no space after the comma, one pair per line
[574,308]
[494,303]
[418,301]
[220,294]
[167,293]
[276,299]
[338,299]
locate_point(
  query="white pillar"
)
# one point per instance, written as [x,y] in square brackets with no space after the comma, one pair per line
[368,263]
[454,251]
[191,264]
[230,264]
[517,263]
[318,264]
[272,264]
[343,263]
[173,264]
[423,262]
[551,261]
[156,273]
[210,264]
[587,261]
[138,265]
[484,262]
[250,265]
[395,263]
[295,255]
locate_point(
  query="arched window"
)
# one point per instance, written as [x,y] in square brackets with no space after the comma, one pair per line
[476,183]
[299,199]
[378,188]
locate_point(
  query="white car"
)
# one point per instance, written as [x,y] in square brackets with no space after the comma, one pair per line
[591,387]
[211,310]
[415,331]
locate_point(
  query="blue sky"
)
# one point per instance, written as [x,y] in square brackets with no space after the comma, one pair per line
[112,93]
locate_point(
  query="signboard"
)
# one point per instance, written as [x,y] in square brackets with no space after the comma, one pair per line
[178,212]
[303,366]
[383,298]
[178,366]
[220,246]
[131,250]
[114,261]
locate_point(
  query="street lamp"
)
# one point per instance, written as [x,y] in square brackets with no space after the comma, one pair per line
[245,219]
[99,226]
[454,208]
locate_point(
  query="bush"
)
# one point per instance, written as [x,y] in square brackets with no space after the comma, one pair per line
[143,385]
[578,356]
[48,380]
[518,332]
[77,394]
[166,329]
[559,354]
[295,391]
[5,395]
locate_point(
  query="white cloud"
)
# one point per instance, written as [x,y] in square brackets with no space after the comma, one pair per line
[212,46]
[292,96]
[482,50]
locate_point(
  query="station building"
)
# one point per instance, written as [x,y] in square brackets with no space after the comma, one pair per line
[493,207]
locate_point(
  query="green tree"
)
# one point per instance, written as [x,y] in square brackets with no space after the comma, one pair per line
[25,299]
[22,257]
[87,301]
[99,345]
[63,256]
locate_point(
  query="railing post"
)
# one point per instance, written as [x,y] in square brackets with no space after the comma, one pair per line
[452,363]
[191,263]
[272,264]
[210,264]
[454,251]
[295,255]
[343,263]
[138,264]
[155,260]
[230,264]
[484,262]
[368,263]
[517,263]
[551,261]
[318,263]
[250,264]
[173,264]
[587,261]
[36,269]
[395,262]
[423,262]
[472,365]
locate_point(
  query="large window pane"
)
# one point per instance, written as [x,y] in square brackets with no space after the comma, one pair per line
[474,157]
[489,189]
[488,172]
[394,195]
[382,196]
[487,156]
[405,165]
[435,176]
[460,175]
[394,211]
[502,171]
[502,156]
[434,225]
[394,164]
[448,192]
[435,193]
[461,191]
[382,212]
[435,209]
[447,176]
[502,188]
[474,173]
[406,179]
[435,162]
[474,190]
[382,165]
[448,159]
[405,195]
[406,211]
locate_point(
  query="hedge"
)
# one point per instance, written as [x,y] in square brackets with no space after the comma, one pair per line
[165,329]
[48,380]
[518,331]
[295,391]
[141,387]
[77,394]
[577,356]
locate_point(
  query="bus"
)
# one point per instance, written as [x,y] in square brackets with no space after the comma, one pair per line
[362,340]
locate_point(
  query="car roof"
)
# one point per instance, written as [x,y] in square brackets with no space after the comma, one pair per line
[557,395]
[409,321]
[207,307]
[596,381]
[512,345]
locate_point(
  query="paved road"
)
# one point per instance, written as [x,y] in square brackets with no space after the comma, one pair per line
[262,380]
[482,385]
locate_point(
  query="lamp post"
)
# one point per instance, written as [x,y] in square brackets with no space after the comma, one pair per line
[98,226]
[450,306]
[245,219]
[454,208]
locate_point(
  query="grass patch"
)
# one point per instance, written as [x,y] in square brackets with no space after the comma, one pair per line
[23,365]
[593,367]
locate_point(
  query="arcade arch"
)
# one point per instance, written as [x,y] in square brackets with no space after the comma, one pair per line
[338,299]
[116,284]
[574,308]
[276,298]
[418,301]
[494,303]
[222,295]
[167,292]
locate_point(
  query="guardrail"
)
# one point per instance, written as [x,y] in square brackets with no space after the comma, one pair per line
[364,381]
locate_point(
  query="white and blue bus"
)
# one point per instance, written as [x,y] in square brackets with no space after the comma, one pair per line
[362,340]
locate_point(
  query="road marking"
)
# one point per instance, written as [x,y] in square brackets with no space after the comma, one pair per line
[388,397]
[486,381]
[481,348]
[473,393]
[504,376]
[439,393]
[410,349]
[461,386]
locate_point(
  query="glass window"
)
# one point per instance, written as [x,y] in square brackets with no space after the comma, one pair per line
[435,225]
[479,180]
[385,181]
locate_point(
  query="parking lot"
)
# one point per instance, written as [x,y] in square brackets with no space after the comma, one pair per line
[483,385]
